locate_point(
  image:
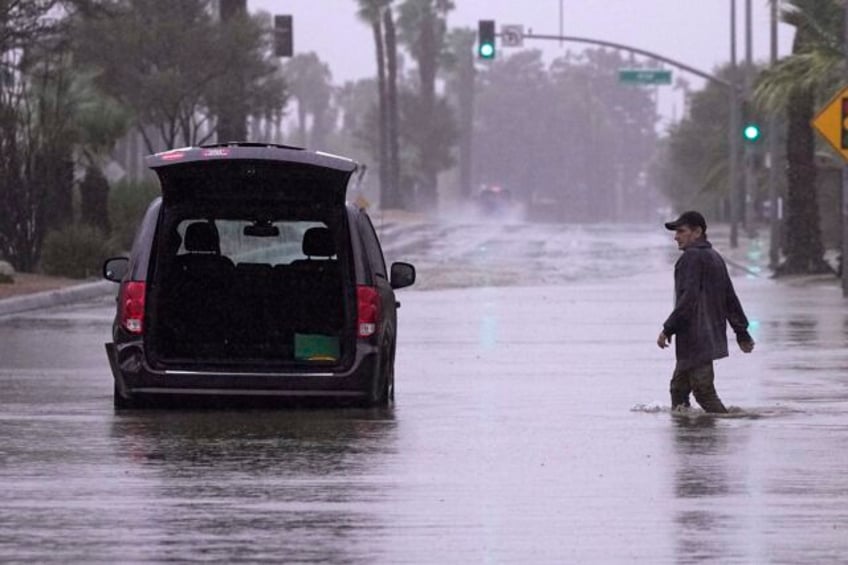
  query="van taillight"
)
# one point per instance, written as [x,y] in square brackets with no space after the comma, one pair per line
[368,306]
[132,307]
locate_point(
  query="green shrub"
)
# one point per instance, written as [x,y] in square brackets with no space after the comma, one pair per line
[76,251]
[128,201]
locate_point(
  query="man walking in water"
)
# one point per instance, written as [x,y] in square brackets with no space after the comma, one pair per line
[704,303]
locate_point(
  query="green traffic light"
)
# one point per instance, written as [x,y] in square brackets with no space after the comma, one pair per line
[751,132]
[487,50]
[486,39]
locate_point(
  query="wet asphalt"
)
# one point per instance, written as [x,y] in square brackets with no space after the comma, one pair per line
[531,425]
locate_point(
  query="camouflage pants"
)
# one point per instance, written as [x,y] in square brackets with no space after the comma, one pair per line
[697,380]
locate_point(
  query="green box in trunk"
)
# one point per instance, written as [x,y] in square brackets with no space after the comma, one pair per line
[316,347]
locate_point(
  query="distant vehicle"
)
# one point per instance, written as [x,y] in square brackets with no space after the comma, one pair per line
[251,277]
[495,201]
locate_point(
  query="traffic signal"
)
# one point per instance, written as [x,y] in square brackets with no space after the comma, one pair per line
[486,39]
[283,36]
[751,132]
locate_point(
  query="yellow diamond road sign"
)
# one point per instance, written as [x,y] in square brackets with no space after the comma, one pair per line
[832,121]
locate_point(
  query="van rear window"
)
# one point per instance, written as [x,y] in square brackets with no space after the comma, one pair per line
[275,243]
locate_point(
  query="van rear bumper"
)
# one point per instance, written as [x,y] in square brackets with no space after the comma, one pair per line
[134,377]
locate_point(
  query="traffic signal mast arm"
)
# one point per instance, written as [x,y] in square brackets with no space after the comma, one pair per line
[636,50]
[486,50]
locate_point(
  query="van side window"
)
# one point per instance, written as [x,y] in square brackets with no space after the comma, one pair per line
[372,245]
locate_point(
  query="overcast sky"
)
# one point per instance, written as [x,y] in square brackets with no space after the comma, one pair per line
[695,32]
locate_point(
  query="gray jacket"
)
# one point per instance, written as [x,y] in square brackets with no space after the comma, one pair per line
[704,303]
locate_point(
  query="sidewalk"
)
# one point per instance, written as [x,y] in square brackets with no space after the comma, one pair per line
[752,256]
[752,253]
[70,292]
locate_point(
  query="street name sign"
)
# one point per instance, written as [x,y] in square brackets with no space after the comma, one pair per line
[512,35]
[832,122]
[644,76]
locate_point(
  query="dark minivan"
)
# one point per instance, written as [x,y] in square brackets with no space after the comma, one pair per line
[251,277]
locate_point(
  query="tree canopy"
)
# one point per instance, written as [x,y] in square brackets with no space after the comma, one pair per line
[172,64]
[566,134]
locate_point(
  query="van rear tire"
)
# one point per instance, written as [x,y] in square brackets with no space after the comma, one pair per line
[381,391]
[119,401]
[379,396]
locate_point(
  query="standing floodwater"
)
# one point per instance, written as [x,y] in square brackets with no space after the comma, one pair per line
[531,426]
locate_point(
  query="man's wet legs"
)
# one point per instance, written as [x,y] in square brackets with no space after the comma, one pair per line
[680,389]
[700,381]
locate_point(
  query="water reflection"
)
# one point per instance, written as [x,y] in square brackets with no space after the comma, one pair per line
[255,484]
[802,331]
[698,443]
[794,331]
[701,479]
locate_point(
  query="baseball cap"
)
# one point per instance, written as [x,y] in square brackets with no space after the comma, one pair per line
[691,218]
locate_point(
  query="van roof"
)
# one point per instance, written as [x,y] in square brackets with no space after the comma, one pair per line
[254,151]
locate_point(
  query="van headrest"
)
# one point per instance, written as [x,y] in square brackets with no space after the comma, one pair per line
[318,242]
[202,237]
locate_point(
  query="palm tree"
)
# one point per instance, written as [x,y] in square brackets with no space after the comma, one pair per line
[309,83]
[98,122]
[793,85]
[423,31]
[392,194]
[371,12]
[461,85]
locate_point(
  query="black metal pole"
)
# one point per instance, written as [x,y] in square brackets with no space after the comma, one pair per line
[775,208]
[750,187]
[636,50]
[845,181]
[733,134]
[560,22]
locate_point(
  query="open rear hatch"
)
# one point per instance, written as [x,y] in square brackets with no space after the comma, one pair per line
[252,269]
[252,172]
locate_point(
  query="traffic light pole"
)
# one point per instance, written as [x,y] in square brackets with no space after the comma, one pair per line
[733,144]
[775,208]
[843,266]
[747,203]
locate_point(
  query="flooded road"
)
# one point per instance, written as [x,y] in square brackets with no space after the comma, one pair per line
[531,426]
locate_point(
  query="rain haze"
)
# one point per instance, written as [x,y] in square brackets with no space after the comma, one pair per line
[514,402]
[694,32]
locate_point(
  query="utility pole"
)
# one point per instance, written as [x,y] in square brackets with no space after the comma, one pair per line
[775,210]
[734,134]
[747,203]
[232,119]
[560,22]
[844,267]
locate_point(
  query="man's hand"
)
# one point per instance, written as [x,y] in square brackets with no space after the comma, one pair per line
[746,346]
[663,340]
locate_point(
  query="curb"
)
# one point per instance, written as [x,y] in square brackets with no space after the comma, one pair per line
[50,298]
